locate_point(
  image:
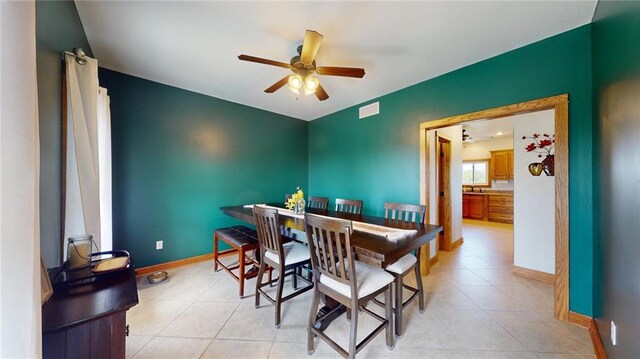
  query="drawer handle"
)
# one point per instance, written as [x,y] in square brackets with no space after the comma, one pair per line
[126,330]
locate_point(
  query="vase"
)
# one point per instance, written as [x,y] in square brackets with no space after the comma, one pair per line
[548,165]
[299,207]
[535,168]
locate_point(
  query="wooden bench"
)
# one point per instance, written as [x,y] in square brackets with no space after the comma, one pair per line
[242,240]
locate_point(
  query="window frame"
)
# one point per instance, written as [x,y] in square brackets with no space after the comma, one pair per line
[487,162]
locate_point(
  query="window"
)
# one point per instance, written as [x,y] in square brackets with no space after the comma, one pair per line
[475,173]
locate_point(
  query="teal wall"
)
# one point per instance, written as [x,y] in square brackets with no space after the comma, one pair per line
[178,156]
[616,290]
[58,28]
[377,159]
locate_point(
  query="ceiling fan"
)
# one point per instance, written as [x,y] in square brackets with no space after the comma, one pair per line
[467,138]
[304,69]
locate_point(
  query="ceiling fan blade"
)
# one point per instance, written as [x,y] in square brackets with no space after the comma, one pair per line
[321,94]
[310,47]
[341,71]
[264,61]
[275,87]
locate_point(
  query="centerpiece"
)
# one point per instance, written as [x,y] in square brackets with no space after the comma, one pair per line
[543,145]
[296,202]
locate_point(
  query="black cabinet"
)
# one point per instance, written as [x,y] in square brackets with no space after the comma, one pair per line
[89,320]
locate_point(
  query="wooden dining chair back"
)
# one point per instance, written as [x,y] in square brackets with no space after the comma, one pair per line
[405,212]
[330,247]
[406,264]
[268,228]
[318,202]
[287,258]
[339,276]
[349,206]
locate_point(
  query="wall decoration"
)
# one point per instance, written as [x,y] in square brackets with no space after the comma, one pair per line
[535,168]
[543,145]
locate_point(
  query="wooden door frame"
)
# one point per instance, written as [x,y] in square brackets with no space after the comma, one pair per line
[560,104]
[445,241]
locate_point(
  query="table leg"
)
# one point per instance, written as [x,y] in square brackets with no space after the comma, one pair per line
[215,252]
[329,305]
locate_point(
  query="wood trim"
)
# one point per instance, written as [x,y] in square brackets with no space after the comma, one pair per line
[443,169]
[580,320]
[181,262]
[497,112]
[457,243]
[425,260]
[589,323]
[560,104]
[534,274]
[598,347]
[561,291]
[425,252]
[433,261]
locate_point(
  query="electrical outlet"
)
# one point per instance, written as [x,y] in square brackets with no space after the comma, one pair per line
[159,245]
[614,333]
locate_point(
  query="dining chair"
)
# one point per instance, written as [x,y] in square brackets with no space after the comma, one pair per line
[407,263]
[337,275]
[286,258]
[318,202]
[349,206]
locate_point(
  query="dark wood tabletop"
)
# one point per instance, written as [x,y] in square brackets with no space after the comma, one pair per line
[372,249]
[75,305]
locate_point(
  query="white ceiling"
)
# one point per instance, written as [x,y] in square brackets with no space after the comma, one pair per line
[483,130]
[194,45]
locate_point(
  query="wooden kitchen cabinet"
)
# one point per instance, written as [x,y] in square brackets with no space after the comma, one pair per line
[493,207]
[473,206]
[502,164]
[500,208]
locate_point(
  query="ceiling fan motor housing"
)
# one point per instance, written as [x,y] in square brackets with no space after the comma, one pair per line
[298,67]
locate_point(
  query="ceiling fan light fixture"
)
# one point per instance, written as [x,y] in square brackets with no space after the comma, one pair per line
[311,84]
[295,83]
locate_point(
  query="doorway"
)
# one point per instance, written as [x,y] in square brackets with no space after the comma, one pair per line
[561,215]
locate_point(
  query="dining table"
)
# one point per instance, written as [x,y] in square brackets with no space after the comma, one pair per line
[373,249]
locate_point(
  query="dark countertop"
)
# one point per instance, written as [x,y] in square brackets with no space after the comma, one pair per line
[493,193]
[75,305]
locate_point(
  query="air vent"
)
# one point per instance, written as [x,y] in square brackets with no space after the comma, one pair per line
[370,110]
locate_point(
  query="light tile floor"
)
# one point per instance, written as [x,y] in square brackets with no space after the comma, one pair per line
[475,308]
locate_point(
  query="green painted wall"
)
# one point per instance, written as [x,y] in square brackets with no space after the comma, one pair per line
[377,159]
[58,28]
[616,290]
[178,156]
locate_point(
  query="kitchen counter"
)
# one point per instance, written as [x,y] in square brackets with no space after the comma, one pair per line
[492,193]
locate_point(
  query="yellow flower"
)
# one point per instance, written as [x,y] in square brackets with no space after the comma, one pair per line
[296,198]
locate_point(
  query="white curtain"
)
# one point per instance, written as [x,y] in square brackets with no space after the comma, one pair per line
[82,203]
[104,164]
[20,315]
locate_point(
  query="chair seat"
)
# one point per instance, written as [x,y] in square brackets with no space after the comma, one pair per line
[238,236]
[294,252]
[403,264]
[369,279]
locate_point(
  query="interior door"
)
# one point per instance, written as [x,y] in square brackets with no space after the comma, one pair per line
[444,192]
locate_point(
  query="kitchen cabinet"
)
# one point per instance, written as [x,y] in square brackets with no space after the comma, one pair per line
[500,208]
[473,206]
[502,164]
[493,207]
